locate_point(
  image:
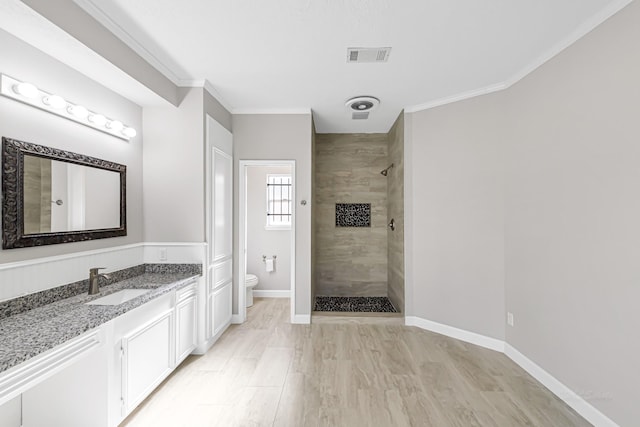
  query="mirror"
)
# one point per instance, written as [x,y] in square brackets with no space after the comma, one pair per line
[53,196]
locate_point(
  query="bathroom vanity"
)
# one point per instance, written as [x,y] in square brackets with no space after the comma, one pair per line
[90,360]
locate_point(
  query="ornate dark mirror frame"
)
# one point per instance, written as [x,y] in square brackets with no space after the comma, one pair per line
[13,236]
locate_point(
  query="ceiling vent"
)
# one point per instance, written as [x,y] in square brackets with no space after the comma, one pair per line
[362,103]
[360,106]
[368,54]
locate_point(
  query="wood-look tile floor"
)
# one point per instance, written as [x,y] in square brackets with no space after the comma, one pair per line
[267,372]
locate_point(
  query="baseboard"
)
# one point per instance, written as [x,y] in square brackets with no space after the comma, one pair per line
[236,319]
[266,293]
[581,406]
[568,396]
[301,319]
[460,334]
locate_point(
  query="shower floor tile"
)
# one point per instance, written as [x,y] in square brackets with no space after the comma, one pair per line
[355,304]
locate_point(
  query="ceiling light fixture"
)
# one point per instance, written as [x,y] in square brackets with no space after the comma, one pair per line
[54,101]
[97,119]
[29,94]
[25,89]
[78,111]
[129,132]
[115,125]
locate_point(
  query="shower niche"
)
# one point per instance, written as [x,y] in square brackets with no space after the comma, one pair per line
[358,191]
[353,214]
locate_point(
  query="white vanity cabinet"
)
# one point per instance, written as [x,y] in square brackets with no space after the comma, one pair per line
[186,321]
[145,347]
[97,379]
[11,412]
[66,386]
[74,397]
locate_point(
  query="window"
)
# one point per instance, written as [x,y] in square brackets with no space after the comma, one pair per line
[279,202]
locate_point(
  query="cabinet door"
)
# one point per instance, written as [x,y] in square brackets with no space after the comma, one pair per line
[147,359]
[221,308]
[11,413]
[186,332]
[220,223]
[74,397]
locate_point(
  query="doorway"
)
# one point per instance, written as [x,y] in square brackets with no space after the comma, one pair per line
[266,221]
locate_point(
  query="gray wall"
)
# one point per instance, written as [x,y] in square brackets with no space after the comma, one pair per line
[395,211]
[350,261]
[174,166]
[313,212]
[23,122]
[532,193]
[573,216]
[458,220]
[261,241]
[174,203]
[280,137]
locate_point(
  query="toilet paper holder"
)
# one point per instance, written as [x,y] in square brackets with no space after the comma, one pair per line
[264,257]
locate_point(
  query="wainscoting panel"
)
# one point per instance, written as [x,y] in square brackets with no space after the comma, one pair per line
[27,277]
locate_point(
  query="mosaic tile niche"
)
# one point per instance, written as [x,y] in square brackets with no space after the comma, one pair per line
[353,214]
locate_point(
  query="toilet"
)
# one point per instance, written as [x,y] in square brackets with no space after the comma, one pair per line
[251,281]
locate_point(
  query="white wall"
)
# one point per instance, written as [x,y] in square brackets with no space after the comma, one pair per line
[281,137]
[22,122]
[261,241]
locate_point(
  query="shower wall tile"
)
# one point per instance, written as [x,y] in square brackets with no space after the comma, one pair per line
[395,197]
[350,261]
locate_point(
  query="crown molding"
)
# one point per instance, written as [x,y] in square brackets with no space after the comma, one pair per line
[208,86]
[272,111]
[455,98]
[576,35]
[99,15]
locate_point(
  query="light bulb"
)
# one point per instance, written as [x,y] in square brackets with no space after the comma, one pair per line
[115,125]
[26,89]
[78,111]
[97,119]
[129,132]
[54,101]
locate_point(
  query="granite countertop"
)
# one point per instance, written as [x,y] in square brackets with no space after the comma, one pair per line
[26,335]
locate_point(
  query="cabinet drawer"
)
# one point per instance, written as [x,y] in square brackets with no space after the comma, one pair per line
[186,292]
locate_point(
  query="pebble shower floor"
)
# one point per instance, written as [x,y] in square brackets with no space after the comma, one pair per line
[355,304]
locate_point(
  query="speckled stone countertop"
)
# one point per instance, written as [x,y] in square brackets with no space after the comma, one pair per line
[28,334]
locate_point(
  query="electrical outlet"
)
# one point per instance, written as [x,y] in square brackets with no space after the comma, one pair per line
[509,318]
[163,254]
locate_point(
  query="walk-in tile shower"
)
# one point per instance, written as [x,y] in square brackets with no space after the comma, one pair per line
[358,219]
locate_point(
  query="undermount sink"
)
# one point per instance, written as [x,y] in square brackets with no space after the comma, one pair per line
[119,297]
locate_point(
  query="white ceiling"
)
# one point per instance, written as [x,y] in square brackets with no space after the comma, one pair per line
[290,55]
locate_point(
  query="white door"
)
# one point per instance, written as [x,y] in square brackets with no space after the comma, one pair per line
[220,238]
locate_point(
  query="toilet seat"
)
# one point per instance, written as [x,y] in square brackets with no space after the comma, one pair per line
[251,280]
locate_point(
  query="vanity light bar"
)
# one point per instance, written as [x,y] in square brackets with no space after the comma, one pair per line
[55,104]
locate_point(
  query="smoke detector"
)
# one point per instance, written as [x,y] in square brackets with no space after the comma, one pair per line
[362,103]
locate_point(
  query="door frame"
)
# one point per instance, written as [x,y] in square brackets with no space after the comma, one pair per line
[242,229]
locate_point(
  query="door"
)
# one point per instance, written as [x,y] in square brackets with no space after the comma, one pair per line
[220,239]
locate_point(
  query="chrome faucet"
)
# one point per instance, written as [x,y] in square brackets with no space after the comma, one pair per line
[94,279]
